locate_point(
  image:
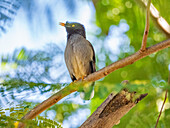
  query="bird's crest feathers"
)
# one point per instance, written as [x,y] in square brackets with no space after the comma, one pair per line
[74,28]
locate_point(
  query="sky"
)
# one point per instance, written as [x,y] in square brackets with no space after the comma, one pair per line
[22,34]
[38,33]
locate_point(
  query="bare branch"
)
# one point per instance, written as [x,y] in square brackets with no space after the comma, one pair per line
[146,32]
[127,61]
[93,77]
[49,102]
[112,110]
[159,21]
[161,108]
[166,93]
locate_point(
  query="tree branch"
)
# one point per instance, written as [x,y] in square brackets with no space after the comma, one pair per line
[161,108]
[166,93]
[49,102]
[159,21]
[127,61]
[112,110]
[146,32]
[93,77]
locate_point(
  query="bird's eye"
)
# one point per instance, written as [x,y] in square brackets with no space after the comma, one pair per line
[73,25]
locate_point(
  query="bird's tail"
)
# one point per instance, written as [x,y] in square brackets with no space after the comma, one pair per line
[88,91]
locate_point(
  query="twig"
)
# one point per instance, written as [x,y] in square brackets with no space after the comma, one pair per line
[158,20]
[161,109]
[146,32]
[166,93]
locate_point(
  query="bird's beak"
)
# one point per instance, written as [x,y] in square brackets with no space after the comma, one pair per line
[62,24]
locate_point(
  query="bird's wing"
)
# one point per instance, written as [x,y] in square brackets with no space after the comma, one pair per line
[93,61]
[79,57]
[85,56]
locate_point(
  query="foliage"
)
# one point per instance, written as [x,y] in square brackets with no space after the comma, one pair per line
[111,14]
[8,11]
[150,72]
[27,73]
[28,77]
[10,8]
[34,65]
[10,117]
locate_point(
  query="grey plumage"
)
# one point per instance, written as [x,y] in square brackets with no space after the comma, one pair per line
[79,57]
[79,53]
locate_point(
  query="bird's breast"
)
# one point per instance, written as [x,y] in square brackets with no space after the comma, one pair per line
[78,55]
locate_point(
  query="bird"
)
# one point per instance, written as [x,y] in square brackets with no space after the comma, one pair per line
[79,56]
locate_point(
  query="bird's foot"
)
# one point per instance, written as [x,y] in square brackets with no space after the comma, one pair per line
[82,78]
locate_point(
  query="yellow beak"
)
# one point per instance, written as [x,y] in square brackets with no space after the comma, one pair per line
[62,24]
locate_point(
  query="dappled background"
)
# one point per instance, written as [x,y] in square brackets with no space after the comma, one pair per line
[32,59]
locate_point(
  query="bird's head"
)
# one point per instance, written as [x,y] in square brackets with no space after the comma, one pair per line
[74,28]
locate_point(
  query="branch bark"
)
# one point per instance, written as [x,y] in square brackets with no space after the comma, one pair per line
[145,35]
[127,61]
[112,110]
[166,93]
[159,21]
[93,77]
[49,102]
